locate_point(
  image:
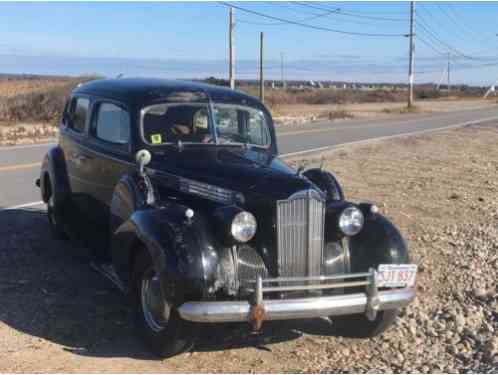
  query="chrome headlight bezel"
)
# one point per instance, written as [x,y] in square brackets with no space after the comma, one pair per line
[243,227]
[351,221]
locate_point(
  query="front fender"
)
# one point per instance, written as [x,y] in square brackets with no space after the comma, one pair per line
[182,251]
[326,182]
[379,242]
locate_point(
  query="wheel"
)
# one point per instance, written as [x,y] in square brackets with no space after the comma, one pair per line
[54,220]
[358,325]
[157,321]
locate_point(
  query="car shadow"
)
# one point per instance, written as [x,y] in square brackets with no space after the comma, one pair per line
[48,290]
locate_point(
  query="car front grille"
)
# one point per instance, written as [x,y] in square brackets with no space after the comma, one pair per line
[300,234]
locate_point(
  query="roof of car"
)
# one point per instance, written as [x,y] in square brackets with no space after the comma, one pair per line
[143,90]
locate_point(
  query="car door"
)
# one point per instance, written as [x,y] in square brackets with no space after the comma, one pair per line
[72,140]
[109,155]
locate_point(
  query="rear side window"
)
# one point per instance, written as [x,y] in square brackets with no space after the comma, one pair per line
[80,114]
[112,124]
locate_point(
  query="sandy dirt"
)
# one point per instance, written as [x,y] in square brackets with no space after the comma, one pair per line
[57,315]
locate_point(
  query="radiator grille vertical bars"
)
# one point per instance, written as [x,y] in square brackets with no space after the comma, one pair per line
[300,232]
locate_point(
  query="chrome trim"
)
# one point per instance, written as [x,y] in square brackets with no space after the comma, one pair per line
[317,278]
[193,187]
[300,234]
[315,287]
[368,302]
[310,193]
[238,311]
[205,190]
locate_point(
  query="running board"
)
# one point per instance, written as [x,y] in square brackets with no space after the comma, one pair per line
[107,270]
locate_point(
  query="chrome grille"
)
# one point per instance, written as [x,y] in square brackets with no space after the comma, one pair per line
[300,232]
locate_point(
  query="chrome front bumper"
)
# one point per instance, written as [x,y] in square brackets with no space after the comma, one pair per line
[259,309]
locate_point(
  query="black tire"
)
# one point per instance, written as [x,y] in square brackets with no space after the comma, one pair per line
[55,219]
[358,325]
[175,335]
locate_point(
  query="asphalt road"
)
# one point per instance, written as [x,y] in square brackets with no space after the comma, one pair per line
[19,165]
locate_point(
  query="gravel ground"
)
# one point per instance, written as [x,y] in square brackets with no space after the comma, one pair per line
[441,189]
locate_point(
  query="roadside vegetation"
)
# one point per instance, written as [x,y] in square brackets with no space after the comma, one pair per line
[401,110]
[277,97]
[34,103]
[34,100]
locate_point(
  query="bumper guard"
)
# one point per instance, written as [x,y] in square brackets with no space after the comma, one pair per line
[258,309]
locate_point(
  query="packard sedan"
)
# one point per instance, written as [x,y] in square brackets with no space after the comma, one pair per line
[189,210]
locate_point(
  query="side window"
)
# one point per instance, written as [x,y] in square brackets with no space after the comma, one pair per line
[80,114]
[112,124]
[257,129]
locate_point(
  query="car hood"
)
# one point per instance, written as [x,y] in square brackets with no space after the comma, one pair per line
[256,174]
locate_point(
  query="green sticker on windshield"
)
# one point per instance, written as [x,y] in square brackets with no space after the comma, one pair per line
[156,139]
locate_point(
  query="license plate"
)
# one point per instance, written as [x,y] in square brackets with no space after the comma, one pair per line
[396,275]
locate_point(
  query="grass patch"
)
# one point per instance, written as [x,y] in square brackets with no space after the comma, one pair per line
[402,110]
[339,114]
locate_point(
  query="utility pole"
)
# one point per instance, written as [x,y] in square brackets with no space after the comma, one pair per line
[282,69]
[231,39]
[261,73]
[411,72]
[449,56]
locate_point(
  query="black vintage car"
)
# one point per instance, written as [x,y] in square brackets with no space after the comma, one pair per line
[179,188]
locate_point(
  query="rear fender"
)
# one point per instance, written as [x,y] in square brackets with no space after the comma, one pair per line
[54,167]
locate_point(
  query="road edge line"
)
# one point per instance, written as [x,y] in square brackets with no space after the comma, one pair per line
[20,147]
[25,205]
[384,138]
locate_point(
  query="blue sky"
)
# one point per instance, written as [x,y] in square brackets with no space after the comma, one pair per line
[189,40]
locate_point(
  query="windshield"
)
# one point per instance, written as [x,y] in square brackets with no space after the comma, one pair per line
[169,123]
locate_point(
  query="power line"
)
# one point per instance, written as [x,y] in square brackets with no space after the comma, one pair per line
[298,8]
[420,22]
[350,14]
[464,30]
[430,45]
[457,16]
[283,23]
[425,26]
[321,28]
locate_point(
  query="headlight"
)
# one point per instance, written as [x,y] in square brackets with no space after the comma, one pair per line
[243,226]
[351,221]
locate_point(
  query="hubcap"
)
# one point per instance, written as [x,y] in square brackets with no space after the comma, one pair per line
[156,310]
